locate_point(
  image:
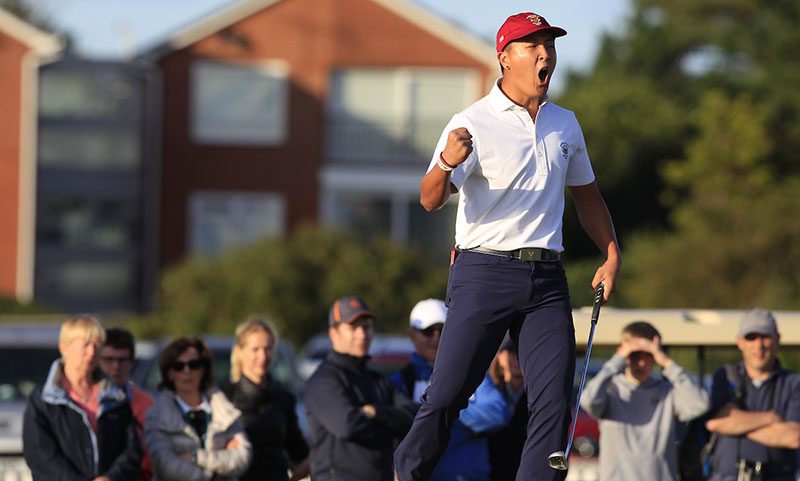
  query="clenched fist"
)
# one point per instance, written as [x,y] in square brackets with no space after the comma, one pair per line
[459,146]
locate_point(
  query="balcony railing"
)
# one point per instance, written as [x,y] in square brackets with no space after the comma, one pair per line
[353,140]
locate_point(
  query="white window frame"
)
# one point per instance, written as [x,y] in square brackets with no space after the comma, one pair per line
[206,129]
[200,218]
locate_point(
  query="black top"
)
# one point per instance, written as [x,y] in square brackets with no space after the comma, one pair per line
[345,443]
[505,445]
[270,421]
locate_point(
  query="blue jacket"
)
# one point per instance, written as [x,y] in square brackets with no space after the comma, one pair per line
[467,454]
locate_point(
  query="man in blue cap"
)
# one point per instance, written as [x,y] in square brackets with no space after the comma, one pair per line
[756,406]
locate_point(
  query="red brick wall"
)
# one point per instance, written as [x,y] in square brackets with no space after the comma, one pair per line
[11,53]
[313,37]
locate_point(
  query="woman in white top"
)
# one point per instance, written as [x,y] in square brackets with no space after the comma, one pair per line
[193,432]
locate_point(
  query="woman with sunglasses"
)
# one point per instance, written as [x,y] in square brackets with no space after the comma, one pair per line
[268,409]
[193,432]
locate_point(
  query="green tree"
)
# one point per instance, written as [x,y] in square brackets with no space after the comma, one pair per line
[692,118]
[293,282]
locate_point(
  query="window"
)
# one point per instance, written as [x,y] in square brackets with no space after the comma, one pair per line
[387,204]
[87,223]
[110,280]
[221,220]
[239,103]
[393,114]
[89,147]
[89,93]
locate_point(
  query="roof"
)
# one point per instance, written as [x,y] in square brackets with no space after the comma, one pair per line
[679,327]
[43,44]
[451,34]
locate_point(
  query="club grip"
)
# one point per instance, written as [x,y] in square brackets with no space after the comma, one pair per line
[598,301]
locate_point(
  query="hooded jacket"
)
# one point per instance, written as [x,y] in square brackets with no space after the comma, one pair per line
[59,442]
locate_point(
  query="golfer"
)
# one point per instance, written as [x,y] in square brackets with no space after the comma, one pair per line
[510,155]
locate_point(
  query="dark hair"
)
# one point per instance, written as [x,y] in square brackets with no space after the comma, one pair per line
[120,338]
[174,349]
[641,329]
[505,49]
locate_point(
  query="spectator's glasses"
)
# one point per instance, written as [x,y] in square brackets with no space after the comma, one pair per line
[113,360]
[193,365]
[429,331]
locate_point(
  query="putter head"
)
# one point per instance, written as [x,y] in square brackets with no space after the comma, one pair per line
[558,460]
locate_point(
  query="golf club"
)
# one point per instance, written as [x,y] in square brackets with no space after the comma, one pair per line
[558,460]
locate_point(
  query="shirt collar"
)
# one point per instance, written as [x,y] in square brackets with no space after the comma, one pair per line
[499,101]
[185,408]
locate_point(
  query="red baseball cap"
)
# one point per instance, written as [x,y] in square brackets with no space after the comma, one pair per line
[521,25]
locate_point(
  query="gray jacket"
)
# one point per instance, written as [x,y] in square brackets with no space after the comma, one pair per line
[637,422]
[168,435]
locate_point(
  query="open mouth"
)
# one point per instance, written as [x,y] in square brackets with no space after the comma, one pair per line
[543,73]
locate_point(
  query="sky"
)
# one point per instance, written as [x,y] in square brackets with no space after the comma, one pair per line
[116,29]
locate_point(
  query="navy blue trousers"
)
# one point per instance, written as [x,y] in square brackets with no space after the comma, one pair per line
[488,295]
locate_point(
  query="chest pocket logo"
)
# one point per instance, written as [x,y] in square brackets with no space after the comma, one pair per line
[565,150]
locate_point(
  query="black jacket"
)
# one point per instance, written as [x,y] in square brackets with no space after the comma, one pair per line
[505,445]
[346,445]
[59,443]
[269,418]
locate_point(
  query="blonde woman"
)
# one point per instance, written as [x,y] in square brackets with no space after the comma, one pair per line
[193,432]
[268,409]
[79,425]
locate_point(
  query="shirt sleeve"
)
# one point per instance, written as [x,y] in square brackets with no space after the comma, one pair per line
[793,410]
[691,400]
[329,403]
[595,394]
[487,408]
[40,446]
[579,171]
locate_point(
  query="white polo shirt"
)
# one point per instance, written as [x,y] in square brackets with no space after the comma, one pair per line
[512,184]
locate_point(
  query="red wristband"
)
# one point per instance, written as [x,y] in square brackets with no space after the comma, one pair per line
[441,157]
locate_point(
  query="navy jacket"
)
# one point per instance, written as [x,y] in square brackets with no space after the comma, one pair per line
[59,443]
[346,445]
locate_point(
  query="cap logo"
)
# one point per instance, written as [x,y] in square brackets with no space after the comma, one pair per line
[336,315]
[535,19]
[354,303]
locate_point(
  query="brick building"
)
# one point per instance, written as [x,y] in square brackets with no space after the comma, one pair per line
[277,112]
[23,48]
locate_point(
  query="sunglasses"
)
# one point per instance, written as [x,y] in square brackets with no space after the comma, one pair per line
[429,331]
[193,365]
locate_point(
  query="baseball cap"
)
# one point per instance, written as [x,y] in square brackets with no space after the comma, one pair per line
[757,321]
[521,25]
[348,309]
[427,313]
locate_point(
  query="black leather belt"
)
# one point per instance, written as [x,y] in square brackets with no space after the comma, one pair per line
[528,254]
